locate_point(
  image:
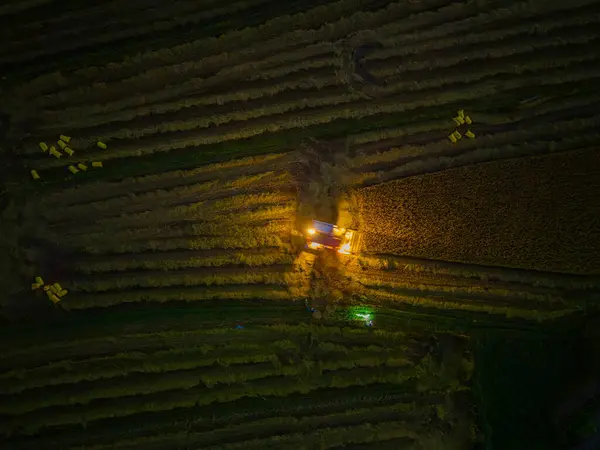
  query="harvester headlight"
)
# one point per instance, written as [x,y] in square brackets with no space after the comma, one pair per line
[311,231]
[314,245]
[345,249]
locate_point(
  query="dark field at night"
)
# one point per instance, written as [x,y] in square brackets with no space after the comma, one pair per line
[310,224]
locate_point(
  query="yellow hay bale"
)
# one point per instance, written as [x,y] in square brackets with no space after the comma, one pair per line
[55,152]
[53,289]
[35,175]
[73,169]
[63,293]
[54,299]
[452,138]
[57,286]
[97,164]
[102,145]
[39,280]
[461,120]
[456,120]
[44,146]
[62,144]
[35,286]
[69,151]
[470,134]
[46,288]
[461,113]
[468,120]
[457,134]
[82,166]
[67,139]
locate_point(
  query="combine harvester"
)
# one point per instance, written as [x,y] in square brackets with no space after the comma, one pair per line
[323,235]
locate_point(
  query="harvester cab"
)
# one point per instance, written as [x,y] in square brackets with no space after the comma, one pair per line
[323,235]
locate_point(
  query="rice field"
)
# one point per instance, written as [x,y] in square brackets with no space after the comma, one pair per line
[159,158]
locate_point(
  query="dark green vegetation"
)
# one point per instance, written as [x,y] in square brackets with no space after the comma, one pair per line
[482,316]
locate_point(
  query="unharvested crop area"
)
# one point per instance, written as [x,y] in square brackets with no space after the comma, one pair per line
[534,213]
[195,136]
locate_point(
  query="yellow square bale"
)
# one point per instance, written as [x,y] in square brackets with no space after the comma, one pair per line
[470,134]
[102,145]
[47,288]
[35,286]
[82,166]
[49,294]
[456,120]
[53,289]
[57,286]
[97,164]
[44,146]
[55,152]
[468,120]
[61,144]
[67,139]
[63,293]
[35,175]
[457,134]
[452,138]
[461,113]
[39,280]
[73,169]
[54,299]
[69,151]
[461,120]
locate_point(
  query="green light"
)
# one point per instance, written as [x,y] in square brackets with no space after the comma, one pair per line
[363,316]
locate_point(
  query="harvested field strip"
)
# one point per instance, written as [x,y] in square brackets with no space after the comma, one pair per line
[460,303]
[175,398]
[195,50]
[559,179]
[495,68]
[324,401]
[103,30]
[186,229]
[102,191]
[209,372]
[275,292]
[165,122]
[181,260]
[331,437]
[88,116]
[459,287]
[82,113]
[214,190]
[390,265]
[165,37]
[412,25]
[74,350]
[285,425]
[455,159]
[369,142]
[120,364]
[230,218]
[406,103]
[298,38]
[274,274]
[198,210]
[251,239]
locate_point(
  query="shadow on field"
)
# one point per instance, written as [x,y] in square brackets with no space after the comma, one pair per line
[528,388]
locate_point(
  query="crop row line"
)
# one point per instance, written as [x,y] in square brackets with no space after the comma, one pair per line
[34,421]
